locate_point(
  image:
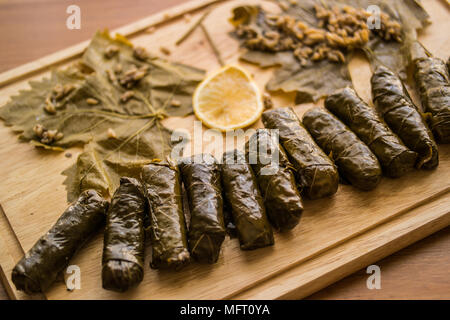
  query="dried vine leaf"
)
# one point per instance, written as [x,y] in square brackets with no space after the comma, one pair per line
[410,13]
[394,55]
[292,77]
[308,81]
[120,134]
[165,81]
[269,59]
[26,109]
[80,121]
[105,160]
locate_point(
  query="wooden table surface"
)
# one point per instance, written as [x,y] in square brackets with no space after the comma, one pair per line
[30,29]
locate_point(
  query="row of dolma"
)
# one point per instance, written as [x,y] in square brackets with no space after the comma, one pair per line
[158,194]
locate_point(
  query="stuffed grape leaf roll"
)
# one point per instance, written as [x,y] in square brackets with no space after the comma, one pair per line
[124,237]
[244,198]
[162,183]
[202,180]
[276,180]
[316,173]
[51,254]
[395,158]
[402,116]
[355,161]
[432,81]
[230,227]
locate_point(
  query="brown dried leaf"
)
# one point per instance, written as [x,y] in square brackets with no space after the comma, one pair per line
[319,79]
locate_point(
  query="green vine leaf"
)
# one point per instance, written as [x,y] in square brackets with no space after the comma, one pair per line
[111,102]
[26,110]
[107,159]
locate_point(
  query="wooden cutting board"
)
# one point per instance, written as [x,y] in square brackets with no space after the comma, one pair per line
[336,236]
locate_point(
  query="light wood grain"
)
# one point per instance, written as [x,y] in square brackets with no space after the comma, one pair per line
[327,225]
[346,258]
[417,272]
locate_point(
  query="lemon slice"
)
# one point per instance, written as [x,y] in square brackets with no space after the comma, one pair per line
[228,99]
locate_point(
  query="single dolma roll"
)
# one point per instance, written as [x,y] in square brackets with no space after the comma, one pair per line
[402,116]
[276,180]
[432,81]
[244,198]
[395,158]
[230,227]
[162,183]
[124,238]
[202,181]
[51,254]
[355,161]
[316,173]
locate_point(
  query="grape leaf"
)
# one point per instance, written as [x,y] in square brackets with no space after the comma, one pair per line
[308,81]
[394,55]
[305,81]
[118,135]
[26,109]
[105,160]
[165,81]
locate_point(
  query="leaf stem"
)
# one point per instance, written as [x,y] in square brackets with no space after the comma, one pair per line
[128,139]
[145,100]
[213,45]
[112,114]
[192,28]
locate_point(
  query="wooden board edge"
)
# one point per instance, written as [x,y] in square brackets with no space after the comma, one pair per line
[342,241]
[64,55]
[132,26]
[11,252]
[292,282]
[6,262]
[382,241]
[354,254]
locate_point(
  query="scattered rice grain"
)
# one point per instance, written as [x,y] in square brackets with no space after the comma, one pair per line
[92,101]
[111,134]
[165,50]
